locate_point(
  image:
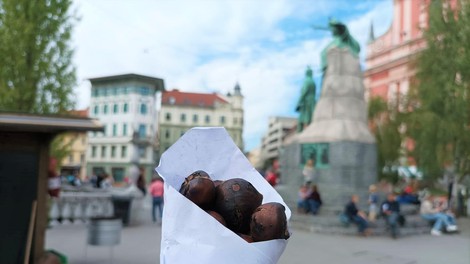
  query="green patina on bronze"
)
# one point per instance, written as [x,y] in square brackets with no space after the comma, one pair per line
[341,39]
[306,103]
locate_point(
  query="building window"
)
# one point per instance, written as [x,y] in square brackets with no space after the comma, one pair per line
[114,130]
[93,151]
[103,151]
[183,118]
[70,158]
[167,133]
[115,108]
[96,110]
[113,151]
[126,90]
[123,151]
[82,158]
[142,152]
[195,118]
[124,129]
[143,109]
[144,90]
[168,117]
[104,130]
[125,108]
[94,93]
[235,120]
[142,131]
[222,119]
[208,119]
[105,109]
[115,92]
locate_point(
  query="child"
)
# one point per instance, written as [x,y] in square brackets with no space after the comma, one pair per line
[373,200]
[302,203]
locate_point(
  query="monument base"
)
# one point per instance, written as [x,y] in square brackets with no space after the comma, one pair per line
[351,168]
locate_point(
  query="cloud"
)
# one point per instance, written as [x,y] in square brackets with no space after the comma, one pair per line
[211,45]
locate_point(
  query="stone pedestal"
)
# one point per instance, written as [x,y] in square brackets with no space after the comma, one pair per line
[340,126]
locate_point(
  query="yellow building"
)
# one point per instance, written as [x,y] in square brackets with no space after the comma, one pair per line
[76,142]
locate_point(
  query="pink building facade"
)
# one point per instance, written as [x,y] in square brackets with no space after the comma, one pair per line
[389,72]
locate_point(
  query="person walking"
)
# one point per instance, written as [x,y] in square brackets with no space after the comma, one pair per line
[156,190]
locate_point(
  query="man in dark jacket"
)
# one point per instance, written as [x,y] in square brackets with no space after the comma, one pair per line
[391,212]
[356,216]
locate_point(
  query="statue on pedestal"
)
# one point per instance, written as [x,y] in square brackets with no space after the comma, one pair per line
[341,39]
[306,103]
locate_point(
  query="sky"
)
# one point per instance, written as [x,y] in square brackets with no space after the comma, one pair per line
[210,45]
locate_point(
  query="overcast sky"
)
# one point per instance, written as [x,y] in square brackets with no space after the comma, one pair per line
[207,46]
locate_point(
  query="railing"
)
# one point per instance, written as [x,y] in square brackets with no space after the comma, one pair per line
[79,206]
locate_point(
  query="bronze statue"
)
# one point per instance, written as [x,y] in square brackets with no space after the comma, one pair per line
[306,104]
[341,39]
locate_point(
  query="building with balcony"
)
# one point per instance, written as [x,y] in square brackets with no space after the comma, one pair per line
[272,141]
[125,105]
[181,111]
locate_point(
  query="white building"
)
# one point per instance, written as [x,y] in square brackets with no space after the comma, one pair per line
[124,104]
[272,141]
[181,111]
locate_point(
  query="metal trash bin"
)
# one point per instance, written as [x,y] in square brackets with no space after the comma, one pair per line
[122,208]
[104,231]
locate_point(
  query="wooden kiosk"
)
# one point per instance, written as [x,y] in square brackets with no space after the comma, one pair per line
[24,159]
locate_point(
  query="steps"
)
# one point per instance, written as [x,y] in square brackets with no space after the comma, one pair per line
[330,224]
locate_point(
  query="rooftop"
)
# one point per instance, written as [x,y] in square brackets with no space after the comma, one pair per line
[46,123]
[175,97]
[159,83]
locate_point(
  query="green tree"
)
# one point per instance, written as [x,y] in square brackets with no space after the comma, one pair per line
[36,71]
[439,106]
[385,122]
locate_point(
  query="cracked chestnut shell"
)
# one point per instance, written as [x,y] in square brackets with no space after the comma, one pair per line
[236,199]
[269,222]
[199,188]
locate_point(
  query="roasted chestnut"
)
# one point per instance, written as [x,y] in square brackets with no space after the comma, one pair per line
[236,199]
[269,222]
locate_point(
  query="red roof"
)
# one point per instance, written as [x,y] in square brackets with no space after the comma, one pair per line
[79,113]
[175,97]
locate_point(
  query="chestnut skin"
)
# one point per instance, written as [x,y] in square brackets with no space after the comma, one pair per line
[269,222]
[217,217]
[201,191]
[247,238]
[197,174]
[236,199]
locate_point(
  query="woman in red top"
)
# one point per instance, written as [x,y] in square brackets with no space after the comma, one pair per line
[156,190]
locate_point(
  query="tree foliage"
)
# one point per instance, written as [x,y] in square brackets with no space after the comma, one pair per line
[440,109]
[385,122]
[36,71]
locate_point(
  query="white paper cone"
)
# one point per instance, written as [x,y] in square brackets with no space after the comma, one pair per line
[190,235]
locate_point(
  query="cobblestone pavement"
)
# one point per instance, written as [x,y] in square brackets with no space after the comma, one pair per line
[141,244]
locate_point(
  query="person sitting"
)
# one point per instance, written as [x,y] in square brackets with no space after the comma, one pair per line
[314,200]
[302,203]
[391,212]
[441,219]
[356,216]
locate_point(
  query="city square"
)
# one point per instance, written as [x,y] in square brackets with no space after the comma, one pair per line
[235,131]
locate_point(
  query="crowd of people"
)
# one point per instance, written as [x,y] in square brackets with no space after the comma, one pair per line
[437,214]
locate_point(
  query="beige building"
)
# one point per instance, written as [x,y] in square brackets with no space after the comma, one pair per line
[272,141]
[76,142]
[181,111]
